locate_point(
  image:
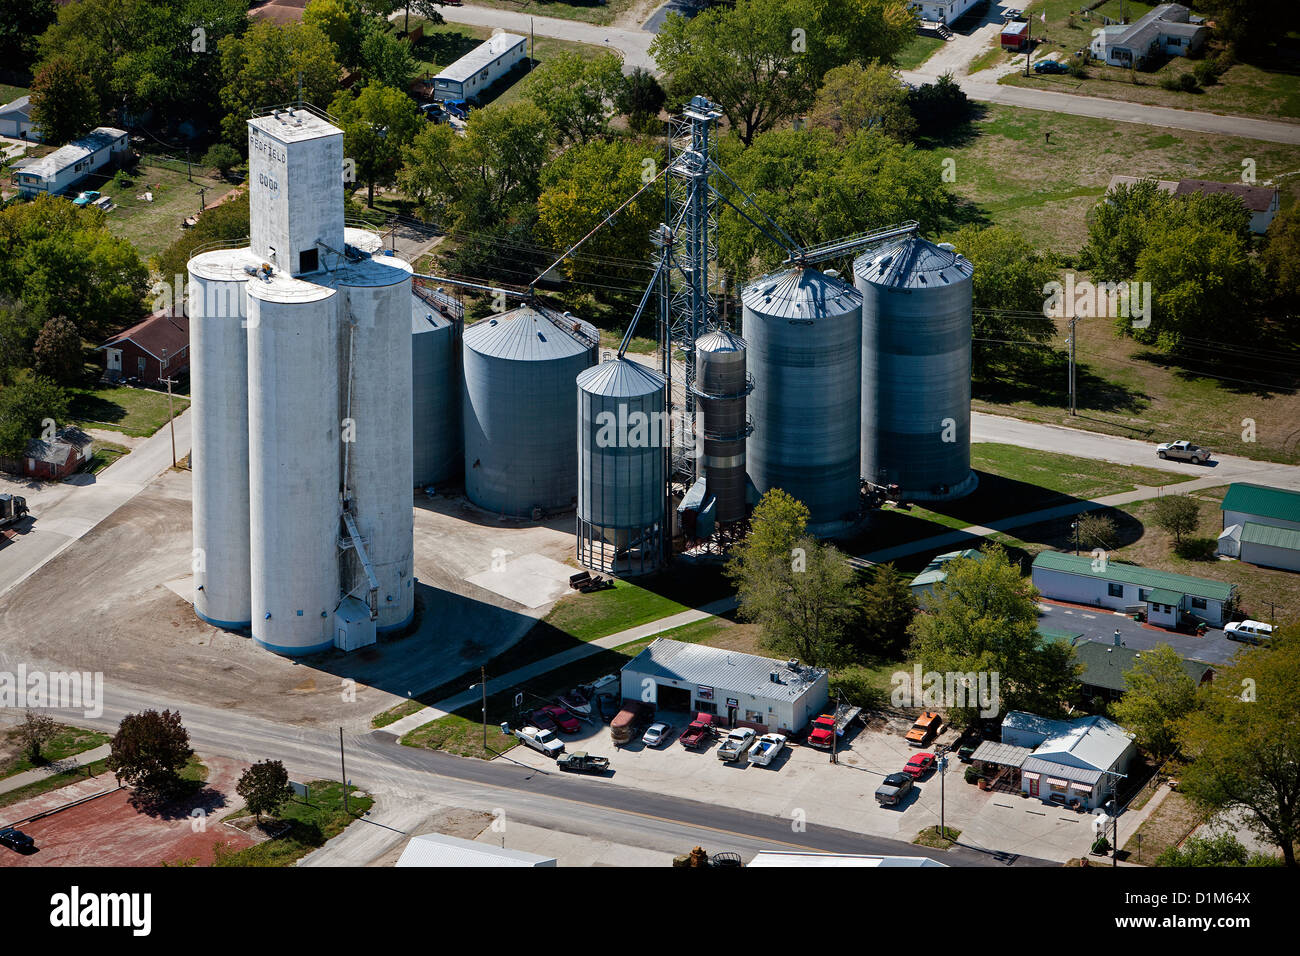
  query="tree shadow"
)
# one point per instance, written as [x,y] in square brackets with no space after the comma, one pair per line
[94,408]
[178,802]
[960,134]
[1261,376]
[1040,377]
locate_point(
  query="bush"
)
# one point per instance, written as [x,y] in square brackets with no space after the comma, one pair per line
[222,158]
[971,775]
[1100,845]
[1205,73]
[1197,549]
[1078,68]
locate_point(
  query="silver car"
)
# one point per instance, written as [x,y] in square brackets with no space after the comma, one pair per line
[657,734]
[1184,451]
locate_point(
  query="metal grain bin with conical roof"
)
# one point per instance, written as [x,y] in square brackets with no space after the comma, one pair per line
[916,368]
[722,385]
[519,408]
[622,436]
[435,385]
[804,332]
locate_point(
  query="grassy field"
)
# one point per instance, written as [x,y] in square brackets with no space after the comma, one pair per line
[58,781]
[10,93]
[586,617]
[1065,474]
[106,452]
[138,412]
[153,226]
[590,11]
[1270,88]
[66,742]
[917,52]
[1012,176]
[311,826]
[1168,825]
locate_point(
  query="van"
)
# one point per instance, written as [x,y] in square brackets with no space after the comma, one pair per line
[1252,632]
[628,721]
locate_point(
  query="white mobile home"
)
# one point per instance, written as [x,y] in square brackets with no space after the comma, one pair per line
[941,11]
[478,69]
[67,166]
[1169,29]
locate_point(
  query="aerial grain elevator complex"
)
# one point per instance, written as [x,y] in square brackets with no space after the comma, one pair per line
[302,457]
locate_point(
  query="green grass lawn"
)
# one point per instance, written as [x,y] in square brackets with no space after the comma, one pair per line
[1066,474]
[1012,176]
[137,412]
[153,226]
[10,93]
[311,826]
[57,782]
[106,452]
[917,52]
[588,11]
[66,742]
[586,617]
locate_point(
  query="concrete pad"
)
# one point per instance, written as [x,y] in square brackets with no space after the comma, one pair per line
[183,588]
[531,580]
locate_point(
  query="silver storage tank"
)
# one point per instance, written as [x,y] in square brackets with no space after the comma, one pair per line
[722,386]
[294,442]
[435,393]
[219,459]
[622,432]
[375,348]
[804,332]
[520,409]
[916,368]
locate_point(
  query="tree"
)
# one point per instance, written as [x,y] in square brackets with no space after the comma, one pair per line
[21,22]
[854,97]
[1007,288]
[24,408]
[378,125]
[149,750]
[1223,849]
[63,102]
[221,157]
[1243,741]
[264,787]
[18,331]
[887,608]
[1176,514]
[1281,259]
[57,352]
[1097,530]
[641,99]
[841,31]
[385,59]
[428,9]
[34,731]
[1158,695]
[939,106]
[796,588]
[743,59]
[264,66]
[578,95]
[344,22]
[585,185]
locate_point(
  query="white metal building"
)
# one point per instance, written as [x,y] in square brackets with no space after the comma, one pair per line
[742,688]
[16,120]
[1261,525]
[68,165]
[437,849]
[1082,759]
[941,11]
[478,69]
[786,858]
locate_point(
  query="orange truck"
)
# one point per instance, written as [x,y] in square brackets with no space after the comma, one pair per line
[925,729]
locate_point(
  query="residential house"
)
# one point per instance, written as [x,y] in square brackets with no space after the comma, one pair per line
[16,120]
[1167,30]
[1104,667]
[1262,202]
[941,11]
[471,75]
[67,166]
[1098,582]
[54,459]
[150,351]
[1261,525]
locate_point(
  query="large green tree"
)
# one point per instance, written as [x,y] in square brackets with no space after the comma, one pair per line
[63,101]
[386,59]
[21,22]
[887,608]
[57,351]
[1007,288]
[854,97]
[1158,695]
[578,95]
[1243,741]
[378,126]
[26,407]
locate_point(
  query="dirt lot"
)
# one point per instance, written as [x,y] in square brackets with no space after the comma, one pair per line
[140,633]
[109,831]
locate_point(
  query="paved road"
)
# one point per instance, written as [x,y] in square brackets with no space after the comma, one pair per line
[64,511]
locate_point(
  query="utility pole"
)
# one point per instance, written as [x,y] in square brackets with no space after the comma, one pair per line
[482,685]
[171,411]
[1029,41]
[343,767]
[943,771]
[1073,320]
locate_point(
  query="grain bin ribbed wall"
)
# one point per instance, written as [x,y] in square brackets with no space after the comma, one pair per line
[219,459]
[520,409]
[622,430]
[916,368]
[804,333]
[722,386]
[435,385]
[375,296]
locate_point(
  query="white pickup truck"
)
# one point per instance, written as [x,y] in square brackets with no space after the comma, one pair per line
[1184,451]
[541,740]
[735,745]
[767,749]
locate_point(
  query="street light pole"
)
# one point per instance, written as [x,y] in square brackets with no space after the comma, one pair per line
[171,410]
[482,685]
[343,768]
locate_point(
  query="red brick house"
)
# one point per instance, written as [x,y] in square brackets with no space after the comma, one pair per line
[150,351]
[52,460]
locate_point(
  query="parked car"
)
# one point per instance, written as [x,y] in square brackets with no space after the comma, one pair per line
[919,765]
[656,734]
[543,741]
[561,718]
[699,732]
[1184,451]
[766,749]
[86,198]
[893,789]
[628,721]
[1050,66]
[925,729]
[433,112]
[736,744]
[16,839]
[1251,632]
[1011,14]
[582,762]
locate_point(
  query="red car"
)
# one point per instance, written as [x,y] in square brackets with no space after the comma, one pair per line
[919,766]
[560,717]
[542,720]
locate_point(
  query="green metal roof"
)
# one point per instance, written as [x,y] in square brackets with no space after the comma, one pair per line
[934,571]
[1253,533]
[1163,596]
[1104,665]
[1132,574]
[1267,502]
[1052,635]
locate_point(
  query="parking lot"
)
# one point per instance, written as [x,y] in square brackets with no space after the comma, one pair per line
[1100,624]
[802,786]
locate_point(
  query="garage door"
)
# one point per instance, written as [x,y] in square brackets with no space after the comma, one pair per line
[673,698]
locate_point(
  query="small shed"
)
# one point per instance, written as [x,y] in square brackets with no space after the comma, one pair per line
[52,460]
[1015,35]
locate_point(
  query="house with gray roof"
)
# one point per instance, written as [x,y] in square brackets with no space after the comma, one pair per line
[743,689]
[68,165]
[16,120]
[1168,30]
[1071,760]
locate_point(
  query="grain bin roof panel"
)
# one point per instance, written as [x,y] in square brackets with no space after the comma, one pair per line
[620,378]
[912,263]
[800,293]
[527,334]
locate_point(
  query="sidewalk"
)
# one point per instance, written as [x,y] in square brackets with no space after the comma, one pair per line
[37,774]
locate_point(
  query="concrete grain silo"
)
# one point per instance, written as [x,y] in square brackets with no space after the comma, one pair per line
[916,368]
[623,431]
[436,444]
[722,387]
[519,409]
[804,333]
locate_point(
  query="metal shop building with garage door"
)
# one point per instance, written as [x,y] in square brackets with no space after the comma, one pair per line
[741,688]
